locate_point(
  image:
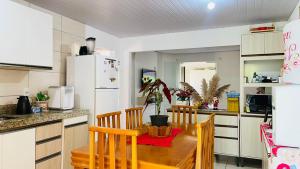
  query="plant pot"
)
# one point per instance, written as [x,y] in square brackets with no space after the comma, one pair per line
[159,120]
[43,105]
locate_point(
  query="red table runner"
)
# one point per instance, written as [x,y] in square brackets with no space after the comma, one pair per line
[145,139]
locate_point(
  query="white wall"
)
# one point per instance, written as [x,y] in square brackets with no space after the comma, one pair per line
[228,68]
[65,32]
[103,40]
[229,36]
[296,13]
[143,60]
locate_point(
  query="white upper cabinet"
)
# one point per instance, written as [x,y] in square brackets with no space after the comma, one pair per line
[262,43]
[253,44]
[26,35]
[274,43]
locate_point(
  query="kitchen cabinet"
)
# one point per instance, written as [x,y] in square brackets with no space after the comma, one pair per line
[18,149]
[53,163]
[274,43]
[75,136]
[251,146]
[26,36]
[48,146]
[262,43]
[226,134]
[253,44]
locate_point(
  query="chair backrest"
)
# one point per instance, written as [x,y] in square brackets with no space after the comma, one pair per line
[205,145]
[110,120]
[106,150]
[178,110]
[134,118]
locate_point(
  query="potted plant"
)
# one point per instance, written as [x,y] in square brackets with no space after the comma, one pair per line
[42,100]
[154,91]
[183,95]
[211,93]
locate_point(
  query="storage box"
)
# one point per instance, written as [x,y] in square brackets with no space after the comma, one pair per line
[233,104]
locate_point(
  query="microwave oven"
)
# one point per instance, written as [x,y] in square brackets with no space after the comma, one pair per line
[259,103]
[61,97]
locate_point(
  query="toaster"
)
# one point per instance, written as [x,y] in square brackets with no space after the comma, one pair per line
[61,97]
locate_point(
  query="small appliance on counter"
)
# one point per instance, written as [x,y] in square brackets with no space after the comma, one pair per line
[23,106]
[91,43]
[259,103]
[61,97]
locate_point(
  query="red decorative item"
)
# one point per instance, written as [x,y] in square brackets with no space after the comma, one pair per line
[216,103]
[262,29]
[146,139]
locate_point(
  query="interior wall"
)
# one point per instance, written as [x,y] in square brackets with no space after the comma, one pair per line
[65,32]
[228,68]
[296,13]
[143,60]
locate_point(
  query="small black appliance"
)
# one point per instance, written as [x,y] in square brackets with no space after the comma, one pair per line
[83,50]
[23,105]
[259,104]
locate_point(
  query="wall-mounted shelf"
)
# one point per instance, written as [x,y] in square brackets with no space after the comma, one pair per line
[261,84]
[266,57]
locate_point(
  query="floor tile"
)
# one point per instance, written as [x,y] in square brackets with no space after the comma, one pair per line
[220,166]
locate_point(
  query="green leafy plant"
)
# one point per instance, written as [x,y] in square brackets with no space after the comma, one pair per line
[154,93]
[40,96]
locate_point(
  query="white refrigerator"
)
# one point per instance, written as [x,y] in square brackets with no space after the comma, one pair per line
[96,82]
[285,98]
[286,115]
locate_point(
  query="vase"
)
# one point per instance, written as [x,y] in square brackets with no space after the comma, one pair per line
[159,120]
[43,105]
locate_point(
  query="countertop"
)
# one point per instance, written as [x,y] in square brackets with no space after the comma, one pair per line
[217,112]
[32,120]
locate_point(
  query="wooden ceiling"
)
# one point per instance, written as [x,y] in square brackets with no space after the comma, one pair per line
[126,18]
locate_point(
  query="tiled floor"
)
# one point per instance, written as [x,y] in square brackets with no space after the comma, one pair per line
[224,162]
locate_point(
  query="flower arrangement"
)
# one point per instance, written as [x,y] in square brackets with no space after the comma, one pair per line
[211,92]
[41,96]
[182,94]
[42,100]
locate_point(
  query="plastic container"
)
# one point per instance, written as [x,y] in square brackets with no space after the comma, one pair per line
[233,104]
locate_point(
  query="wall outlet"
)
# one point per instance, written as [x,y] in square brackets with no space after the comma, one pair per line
[26,92]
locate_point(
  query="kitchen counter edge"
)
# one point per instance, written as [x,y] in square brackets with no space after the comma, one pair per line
[38,119]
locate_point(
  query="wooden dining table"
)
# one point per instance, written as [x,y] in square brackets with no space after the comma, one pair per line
[180,155]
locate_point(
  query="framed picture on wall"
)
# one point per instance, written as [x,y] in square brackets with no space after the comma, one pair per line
[148,75]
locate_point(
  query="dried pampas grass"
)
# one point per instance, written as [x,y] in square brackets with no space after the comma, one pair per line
[195,95]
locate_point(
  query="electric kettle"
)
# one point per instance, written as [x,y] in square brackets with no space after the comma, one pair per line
[23,105]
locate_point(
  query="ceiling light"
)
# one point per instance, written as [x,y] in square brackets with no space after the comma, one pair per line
[211,5]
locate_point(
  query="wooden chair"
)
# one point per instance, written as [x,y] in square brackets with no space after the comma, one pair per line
[134,118]
[106,157]
[110,120]
[205,145]
[177,110]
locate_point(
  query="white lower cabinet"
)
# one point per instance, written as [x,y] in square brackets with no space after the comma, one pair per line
[226,134]
[251,146]
[18,149]
[75,136]
[227,147]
